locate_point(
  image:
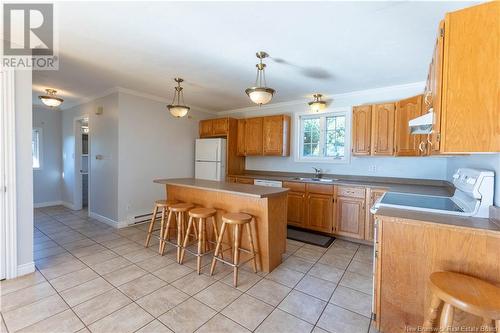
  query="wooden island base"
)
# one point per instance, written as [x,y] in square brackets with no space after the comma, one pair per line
[269,229]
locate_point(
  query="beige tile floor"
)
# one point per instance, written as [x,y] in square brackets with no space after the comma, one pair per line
[91,277]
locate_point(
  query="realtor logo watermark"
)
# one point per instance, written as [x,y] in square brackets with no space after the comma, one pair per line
[28,36]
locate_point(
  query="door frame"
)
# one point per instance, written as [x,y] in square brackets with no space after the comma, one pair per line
[8,200]
[78,179]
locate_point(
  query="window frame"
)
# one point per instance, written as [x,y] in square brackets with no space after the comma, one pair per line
[299,133]
[40,147]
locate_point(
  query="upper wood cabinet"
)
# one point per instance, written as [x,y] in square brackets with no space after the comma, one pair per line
[382,133]
[228,129]
[470,117]
[214,127]
[361,129]
[241,137]
[268,136]
[432,93]
[206,128]
[220,126]
[253,136]
[276,135]
[407,144]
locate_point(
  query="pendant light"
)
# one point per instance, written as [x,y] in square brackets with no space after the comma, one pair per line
[178,109]
[317,104]
[50,99]
[260,94]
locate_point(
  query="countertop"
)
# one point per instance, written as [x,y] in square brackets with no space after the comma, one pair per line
[232,188]
[403,185]
[468,222]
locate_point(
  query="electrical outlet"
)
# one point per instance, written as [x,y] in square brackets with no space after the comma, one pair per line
[372,168]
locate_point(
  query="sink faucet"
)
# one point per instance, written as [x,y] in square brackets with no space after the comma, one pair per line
[317,172]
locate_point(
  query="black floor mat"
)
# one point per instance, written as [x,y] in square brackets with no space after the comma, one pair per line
[309,237]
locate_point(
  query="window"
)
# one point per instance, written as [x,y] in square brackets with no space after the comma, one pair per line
[36,146]
[322,137]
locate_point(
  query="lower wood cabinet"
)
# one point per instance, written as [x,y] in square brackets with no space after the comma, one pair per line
[320,212]
[296,208]
[350,218]
[372,196]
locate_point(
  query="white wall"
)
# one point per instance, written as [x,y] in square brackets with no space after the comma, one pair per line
[103,192]
[47,179]
[407,167]
[152,144]
[24,170]
[486,161]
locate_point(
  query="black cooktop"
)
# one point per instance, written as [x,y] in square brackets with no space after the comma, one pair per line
[420,201]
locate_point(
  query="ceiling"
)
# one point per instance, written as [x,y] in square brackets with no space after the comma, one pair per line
[327,47]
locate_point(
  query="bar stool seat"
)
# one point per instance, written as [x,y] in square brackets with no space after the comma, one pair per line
[178,211]
[466,293]
[164,206]
[202,214]
[237,220]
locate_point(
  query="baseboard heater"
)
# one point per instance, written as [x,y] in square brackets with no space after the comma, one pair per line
[144,218]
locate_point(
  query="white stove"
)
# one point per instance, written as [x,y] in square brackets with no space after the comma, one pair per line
[473,196]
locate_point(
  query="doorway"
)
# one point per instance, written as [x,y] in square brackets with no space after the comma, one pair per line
[82,163]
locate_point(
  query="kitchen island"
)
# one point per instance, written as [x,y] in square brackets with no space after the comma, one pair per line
[267,204]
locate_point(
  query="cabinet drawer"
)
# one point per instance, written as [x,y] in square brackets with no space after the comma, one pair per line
[244,180]
[322,189]
[355,192]
[297,187]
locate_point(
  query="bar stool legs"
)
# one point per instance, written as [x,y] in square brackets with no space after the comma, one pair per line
[163,205]
[179,210]
[238,220]
[200,214]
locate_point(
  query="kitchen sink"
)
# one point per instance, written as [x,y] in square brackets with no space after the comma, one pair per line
[319,180]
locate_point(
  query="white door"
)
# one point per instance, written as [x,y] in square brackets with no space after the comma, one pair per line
[207,170]
[208,150]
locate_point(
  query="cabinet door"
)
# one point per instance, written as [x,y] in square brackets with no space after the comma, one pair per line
[374,196]
[272,134]
[433,93]
[361,129]
[470,119]
[253,136]
[320,212]
[240,146]
[220,126]
[206,128]
[350,220]
[382,142]
[296,208]
[407,144]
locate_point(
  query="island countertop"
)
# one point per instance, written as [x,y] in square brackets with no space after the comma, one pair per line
[222,186]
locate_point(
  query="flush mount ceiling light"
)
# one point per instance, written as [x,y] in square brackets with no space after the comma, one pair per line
[50,99]
[260,94]
[178,109]
[317,105]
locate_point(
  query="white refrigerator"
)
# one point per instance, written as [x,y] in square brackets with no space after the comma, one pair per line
[210,159]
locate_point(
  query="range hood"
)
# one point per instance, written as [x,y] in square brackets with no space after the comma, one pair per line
[422,124]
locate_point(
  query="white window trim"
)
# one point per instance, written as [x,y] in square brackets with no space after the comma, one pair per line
[40,147]
[297,135]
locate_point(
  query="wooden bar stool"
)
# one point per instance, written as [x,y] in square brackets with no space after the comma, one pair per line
[164,206]
[202,214]
[466,293]
[179,210]
[238,220]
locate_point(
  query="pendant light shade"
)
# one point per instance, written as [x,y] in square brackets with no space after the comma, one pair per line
[51,100]
[178,109]
[317,104]
[260,94]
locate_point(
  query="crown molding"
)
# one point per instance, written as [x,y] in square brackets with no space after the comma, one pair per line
[132,93]
[351,94]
